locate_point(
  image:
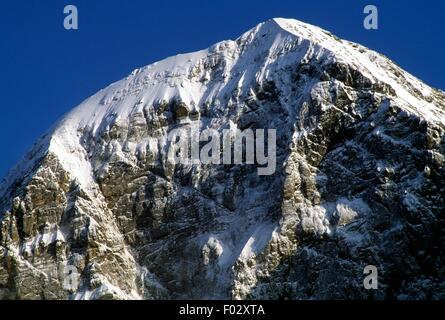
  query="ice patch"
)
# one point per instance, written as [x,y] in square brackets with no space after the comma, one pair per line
[258,240]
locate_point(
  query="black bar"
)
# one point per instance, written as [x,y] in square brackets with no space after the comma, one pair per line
[185,310]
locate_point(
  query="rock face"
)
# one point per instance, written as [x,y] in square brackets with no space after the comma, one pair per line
[98,211]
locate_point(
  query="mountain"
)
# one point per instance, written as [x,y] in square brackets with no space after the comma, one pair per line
[98,209]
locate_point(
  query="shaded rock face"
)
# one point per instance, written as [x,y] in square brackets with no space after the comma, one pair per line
[359,181]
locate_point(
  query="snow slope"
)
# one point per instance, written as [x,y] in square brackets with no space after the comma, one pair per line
[180,77]
[353,129]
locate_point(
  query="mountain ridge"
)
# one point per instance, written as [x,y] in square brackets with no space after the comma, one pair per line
[360,147]
[275,26]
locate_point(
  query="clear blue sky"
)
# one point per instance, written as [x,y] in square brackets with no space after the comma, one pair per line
[46,70]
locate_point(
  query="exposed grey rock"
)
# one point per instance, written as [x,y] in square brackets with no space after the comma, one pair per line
[359,181]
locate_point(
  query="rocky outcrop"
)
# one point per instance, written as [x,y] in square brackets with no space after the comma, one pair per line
[98,210]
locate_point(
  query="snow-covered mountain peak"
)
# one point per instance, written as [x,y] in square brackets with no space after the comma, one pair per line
[359,180]
[209,76]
